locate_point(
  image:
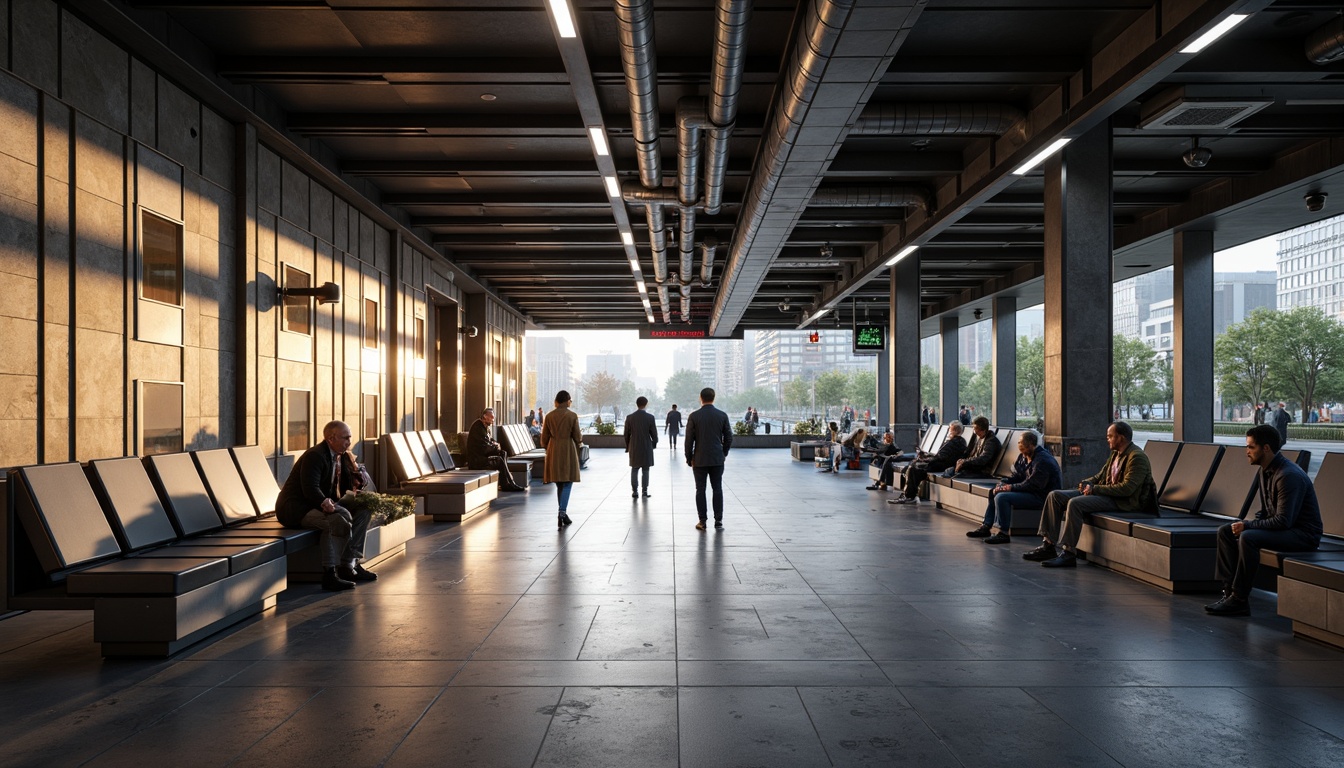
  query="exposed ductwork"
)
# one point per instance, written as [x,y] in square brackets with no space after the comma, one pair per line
[1325,45]
[936,119]
[686,247]
[871,197]
[730,54]
[635,18]
[708,246]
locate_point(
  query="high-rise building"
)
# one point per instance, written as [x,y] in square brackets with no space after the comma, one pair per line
[686,357]
[1237,294]
[549,357]
[607,362]
[721,365]
[781,356]
[1311,267]
[1157,329]
[1133,297]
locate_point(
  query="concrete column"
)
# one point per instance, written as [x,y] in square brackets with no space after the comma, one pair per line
[902,361]
[1004,400]
[1078,322]
[883,414]
[949,389]
[476,361]
[1192,294]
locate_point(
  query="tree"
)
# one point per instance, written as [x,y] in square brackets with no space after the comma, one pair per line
[1242,355]
[683,389]
[862,391]
[627,396]
[1030,373]
[1304,343]
[798,393]
[979,391]
[831,387]
[1132,363]
[599,390]
[928,386]
[756,397]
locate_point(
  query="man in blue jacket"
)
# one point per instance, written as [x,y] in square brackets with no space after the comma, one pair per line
[1289,520]
[1035,475]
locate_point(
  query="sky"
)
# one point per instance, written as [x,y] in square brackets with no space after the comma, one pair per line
[654,358]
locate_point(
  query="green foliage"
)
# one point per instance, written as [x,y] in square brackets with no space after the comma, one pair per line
[760,398]
[1132,364]
[979,391]
[1242,356]
[604,427]
[384,508]
[831,387]
[810,426]
[928,386]
[1031,373]
[798,393]
[683,388]
[1305,341]
[626,395]
[862,390]
[743,428]
[599,390]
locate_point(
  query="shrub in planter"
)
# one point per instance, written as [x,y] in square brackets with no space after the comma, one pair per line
[743,428]
[809,427]
[383,507]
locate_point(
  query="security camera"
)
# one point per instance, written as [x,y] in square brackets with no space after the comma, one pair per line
[1315,201]
[1197,157]
[784,306]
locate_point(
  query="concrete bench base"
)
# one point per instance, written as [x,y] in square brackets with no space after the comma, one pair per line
[1026,520]
[456,507]
[1177,570]
[382,543]
[1317,612]
[804,451]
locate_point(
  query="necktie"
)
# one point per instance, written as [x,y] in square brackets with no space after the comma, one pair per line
[336,480]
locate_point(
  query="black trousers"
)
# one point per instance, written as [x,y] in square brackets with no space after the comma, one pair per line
[634,477]
[501,465]
[715,477]
[1239,556]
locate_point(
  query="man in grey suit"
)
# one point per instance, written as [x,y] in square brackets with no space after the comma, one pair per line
[708,438]
[641,437]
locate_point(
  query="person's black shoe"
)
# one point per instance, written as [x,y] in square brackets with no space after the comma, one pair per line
[1041,553]
[634,495]
[874,487]
[1230,606]
[700,526]
[647,495]
[356,574]
[564,520]
[334,583]
[983,532]
[999,538]
[1221,598]
[1063,560]
[718,525]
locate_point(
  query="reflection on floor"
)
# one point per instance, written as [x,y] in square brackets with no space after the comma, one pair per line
[820,627]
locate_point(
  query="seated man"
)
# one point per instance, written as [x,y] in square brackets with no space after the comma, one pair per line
[1124,483]
[1289,520]
[953,448]
[484,453]
[983,453]
[1035,474]
[885,458]
[849,449]
[308,500]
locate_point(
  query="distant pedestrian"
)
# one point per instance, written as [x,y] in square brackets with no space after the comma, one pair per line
[641,437]
[708,439]
[672,426]
[755,420]
[1281,419]
[1258,417]
[560,436]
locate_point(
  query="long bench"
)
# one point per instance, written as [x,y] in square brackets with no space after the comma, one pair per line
[969,496]
[451,494]
[520,467]
[1311,584]
[929,443]
[518,442]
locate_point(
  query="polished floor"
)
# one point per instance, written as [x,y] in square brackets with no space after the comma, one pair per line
[820,627]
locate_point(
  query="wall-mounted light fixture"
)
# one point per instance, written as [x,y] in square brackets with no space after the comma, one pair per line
[326,293]
[470,331]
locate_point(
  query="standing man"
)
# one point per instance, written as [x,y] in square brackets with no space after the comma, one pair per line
[673,426]
[1258,417]
[1281,418]
[708,439]
[308,500]
[1289,520]
[484,453]
[1124,483]
[641,437]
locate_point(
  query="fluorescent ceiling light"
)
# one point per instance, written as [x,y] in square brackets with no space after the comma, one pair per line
[906,251]
[613,188]
[640,285]
[1219,29]
[599,140]
[634,265]
[564,21]
[1039,157]
[627,238]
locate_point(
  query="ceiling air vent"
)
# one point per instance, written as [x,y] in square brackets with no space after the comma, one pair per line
[1178,111]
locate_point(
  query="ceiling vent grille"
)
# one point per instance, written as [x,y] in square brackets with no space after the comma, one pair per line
[1177,112]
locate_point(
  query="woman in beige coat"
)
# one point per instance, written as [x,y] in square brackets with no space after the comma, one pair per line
[560,436]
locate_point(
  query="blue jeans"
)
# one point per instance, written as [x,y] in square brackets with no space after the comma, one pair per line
[715,477]
[1000,507]
[562,492]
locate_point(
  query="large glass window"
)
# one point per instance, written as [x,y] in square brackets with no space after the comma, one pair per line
[371,416]
[160,259]
[370,324]
[161,418]
[298,314]
[419,338]
[298,422]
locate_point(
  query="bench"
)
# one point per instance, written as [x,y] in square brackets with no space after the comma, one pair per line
[519,443]
[969,496]
[520,468]
[451,495]
[1311,584]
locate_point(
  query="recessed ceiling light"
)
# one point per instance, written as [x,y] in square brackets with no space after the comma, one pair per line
[627,238]
[1219,29]
[1039,157]
[599,139]
[634,265]
[488,97]
[613,187]
[639,284]
[906,251]
[564,21]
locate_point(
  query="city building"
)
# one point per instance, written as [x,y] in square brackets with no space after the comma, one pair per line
[607,362]
[784,355]
[1237,294]
[1157,333]
[721,365]
[1311,267]
[549,357]
[1133,298]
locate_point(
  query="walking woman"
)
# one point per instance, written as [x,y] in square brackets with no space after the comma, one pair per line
[560,436]
[673,426]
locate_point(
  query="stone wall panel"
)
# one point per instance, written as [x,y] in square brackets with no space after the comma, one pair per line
[179,125]
[294,195]
[95,74]
[35,38]
[100,164]
[99,375]
[144,111]
[18,442]
[217,149]
[18,237]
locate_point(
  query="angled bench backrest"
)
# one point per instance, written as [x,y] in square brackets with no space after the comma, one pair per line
[1300,458]
[1004,468]
[431,450]
[1329,486]
[257,476]
[183,493]
[508,438]
[57,507]
[400,460]
[225,485]
[933,439]
[1232,487]
[441,445]
[418,453]
[138,516]
[1162,455]
[1189,477]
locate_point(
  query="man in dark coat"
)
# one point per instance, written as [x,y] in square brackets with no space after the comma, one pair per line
[708,439]
[309,500]
[641,437]
[983,453]
[484,453]
[1035,475]
[1281,419]
[953,448]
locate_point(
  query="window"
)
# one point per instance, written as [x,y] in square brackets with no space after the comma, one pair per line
[160,259]
[419,338]
[370,324]
[371,417]
[161,418]
[420,413]
[298,310]
[298,422]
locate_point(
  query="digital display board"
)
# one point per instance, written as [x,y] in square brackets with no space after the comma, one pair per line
[869,339]
[684,332]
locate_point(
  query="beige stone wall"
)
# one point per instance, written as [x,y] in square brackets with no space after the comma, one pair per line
[90,139]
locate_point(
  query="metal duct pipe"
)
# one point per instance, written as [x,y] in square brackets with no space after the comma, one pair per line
[871,197]
[657,241]
[1326,43]
[730,54]
[936,120]
[635,20]
[692,117]
[708,247]
[686,247]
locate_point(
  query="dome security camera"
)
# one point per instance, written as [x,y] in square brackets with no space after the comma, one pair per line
[1315,201]
[1197,157]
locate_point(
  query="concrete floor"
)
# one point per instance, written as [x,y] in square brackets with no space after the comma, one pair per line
[821,627]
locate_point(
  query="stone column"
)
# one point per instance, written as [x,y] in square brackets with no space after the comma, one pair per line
[1192,297]
[902,360]
[1078,322]
[1005,362]
[950,369]
[883,413]
[476,360]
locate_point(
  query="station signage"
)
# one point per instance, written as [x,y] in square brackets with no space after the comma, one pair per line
[683,332]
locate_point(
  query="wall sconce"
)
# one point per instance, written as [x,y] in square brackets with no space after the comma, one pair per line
[326,293]
[470,331]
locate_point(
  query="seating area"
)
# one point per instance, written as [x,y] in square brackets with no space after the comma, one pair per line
[420,464]
[165,550]
[520,444]
[967,496]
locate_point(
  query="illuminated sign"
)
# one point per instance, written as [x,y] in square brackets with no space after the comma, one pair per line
[814,337]
[869,339]
[681,332]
